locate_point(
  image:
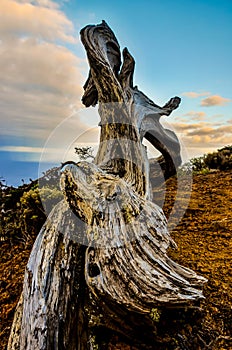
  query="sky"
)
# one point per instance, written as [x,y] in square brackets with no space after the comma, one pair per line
[180,47]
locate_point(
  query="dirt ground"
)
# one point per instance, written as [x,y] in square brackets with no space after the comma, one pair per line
[204,239]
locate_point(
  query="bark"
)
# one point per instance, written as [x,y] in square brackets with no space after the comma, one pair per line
[100,260]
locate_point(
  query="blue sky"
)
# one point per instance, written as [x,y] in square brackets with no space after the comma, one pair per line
[180,48]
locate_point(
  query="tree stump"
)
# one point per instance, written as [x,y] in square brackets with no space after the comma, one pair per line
[99,267]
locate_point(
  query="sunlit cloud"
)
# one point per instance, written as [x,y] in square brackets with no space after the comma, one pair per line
[41,79]
[195,115]
[192,94]
[40,82]
[201,141]
[215,100]
[186,127]
[220,131]
[204,135]
[42,19]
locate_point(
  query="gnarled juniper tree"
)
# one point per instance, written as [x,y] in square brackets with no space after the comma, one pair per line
[100,260]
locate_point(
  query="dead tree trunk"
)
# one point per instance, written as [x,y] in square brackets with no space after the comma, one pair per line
[100,260]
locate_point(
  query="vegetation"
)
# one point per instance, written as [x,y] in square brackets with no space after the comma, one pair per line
[219,160]
[24,209]
[84,152]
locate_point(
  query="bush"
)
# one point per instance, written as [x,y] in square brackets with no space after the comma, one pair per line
[24,209]
[219,160]
[222,159]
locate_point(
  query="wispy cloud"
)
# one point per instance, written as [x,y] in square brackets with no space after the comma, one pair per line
[192,94]
[215,100]
[45,3]
[195,115]
[21,149]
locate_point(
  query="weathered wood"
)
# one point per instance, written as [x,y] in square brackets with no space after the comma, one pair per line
[100,260]
[47,315]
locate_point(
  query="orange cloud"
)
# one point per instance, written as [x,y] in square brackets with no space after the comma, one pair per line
[201,131]
[195,115]
[192,94]
[214,100]
[208,141]
[41,80]
[187,127]
[42,20]
[203,135]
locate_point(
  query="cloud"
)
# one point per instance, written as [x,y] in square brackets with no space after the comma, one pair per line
[200,141]
[41,80]
[42,19]
[195,115]
[186,127]
[214,132]
[204,135]
[43,3]
[215,100]
[192,94]
[22,149]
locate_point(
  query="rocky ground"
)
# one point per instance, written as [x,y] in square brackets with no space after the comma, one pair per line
[204,238]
